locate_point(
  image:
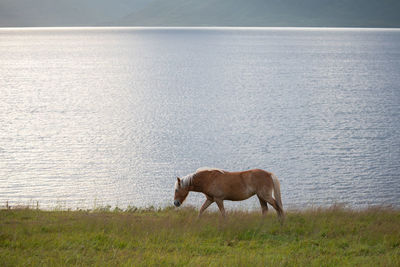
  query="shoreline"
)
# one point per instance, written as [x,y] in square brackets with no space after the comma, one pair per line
[198,28]
[35,205]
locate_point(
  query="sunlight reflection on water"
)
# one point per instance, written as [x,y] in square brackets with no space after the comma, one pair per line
[111,116]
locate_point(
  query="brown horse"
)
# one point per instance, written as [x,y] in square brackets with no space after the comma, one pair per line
[219,185]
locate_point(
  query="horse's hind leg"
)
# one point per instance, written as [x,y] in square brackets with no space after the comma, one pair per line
[272,202]
[264,207]
[277,208]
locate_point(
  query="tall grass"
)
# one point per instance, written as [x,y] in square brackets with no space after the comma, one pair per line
[105,237]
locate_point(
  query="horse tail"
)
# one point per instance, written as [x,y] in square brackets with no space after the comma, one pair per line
[277,192]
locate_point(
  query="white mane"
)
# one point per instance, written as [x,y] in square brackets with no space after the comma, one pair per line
[187,180]
[209,169]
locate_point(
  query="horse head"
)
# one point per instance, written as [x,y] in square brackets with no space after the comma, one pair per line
[180,193]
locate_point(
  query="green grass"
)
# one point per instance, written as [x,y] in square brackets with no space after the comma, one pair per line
[320,237]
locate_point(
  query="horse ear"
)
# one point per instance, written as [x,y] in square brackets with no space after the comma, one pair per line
[179,181]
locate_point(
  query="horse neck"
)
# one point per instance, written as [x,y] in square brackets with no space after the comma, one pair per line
[194,182]
[197,183]
[187,181]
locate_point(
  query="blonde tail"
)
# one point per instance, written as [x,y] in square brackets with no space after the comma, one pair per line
[277,194]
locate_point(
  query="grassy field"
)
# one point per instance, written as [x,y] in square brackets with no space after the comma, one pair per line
[320,237]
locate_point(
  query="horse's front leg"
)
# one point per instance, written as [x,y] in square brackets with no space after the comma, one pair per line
[207,203]
[220,204]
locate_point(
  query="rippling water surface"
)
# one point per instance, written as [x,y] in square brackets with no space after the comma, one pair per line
[97,116]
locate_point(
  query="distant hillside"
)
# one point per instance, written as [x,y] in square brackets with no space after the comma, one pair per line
[31,13]
[340,13]
[328,13]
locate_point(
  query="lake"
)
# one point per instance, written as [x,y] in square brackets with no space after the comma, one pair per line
[110,116]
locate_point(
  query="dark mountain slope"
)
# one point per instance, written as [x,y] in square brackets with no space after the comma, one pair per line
[322,13]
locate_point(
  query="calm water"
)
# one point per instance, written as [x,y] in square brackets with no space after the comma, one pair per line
[98,116]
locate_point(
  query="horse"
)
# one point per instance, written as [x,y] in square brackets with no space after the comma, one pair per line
[219,185]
